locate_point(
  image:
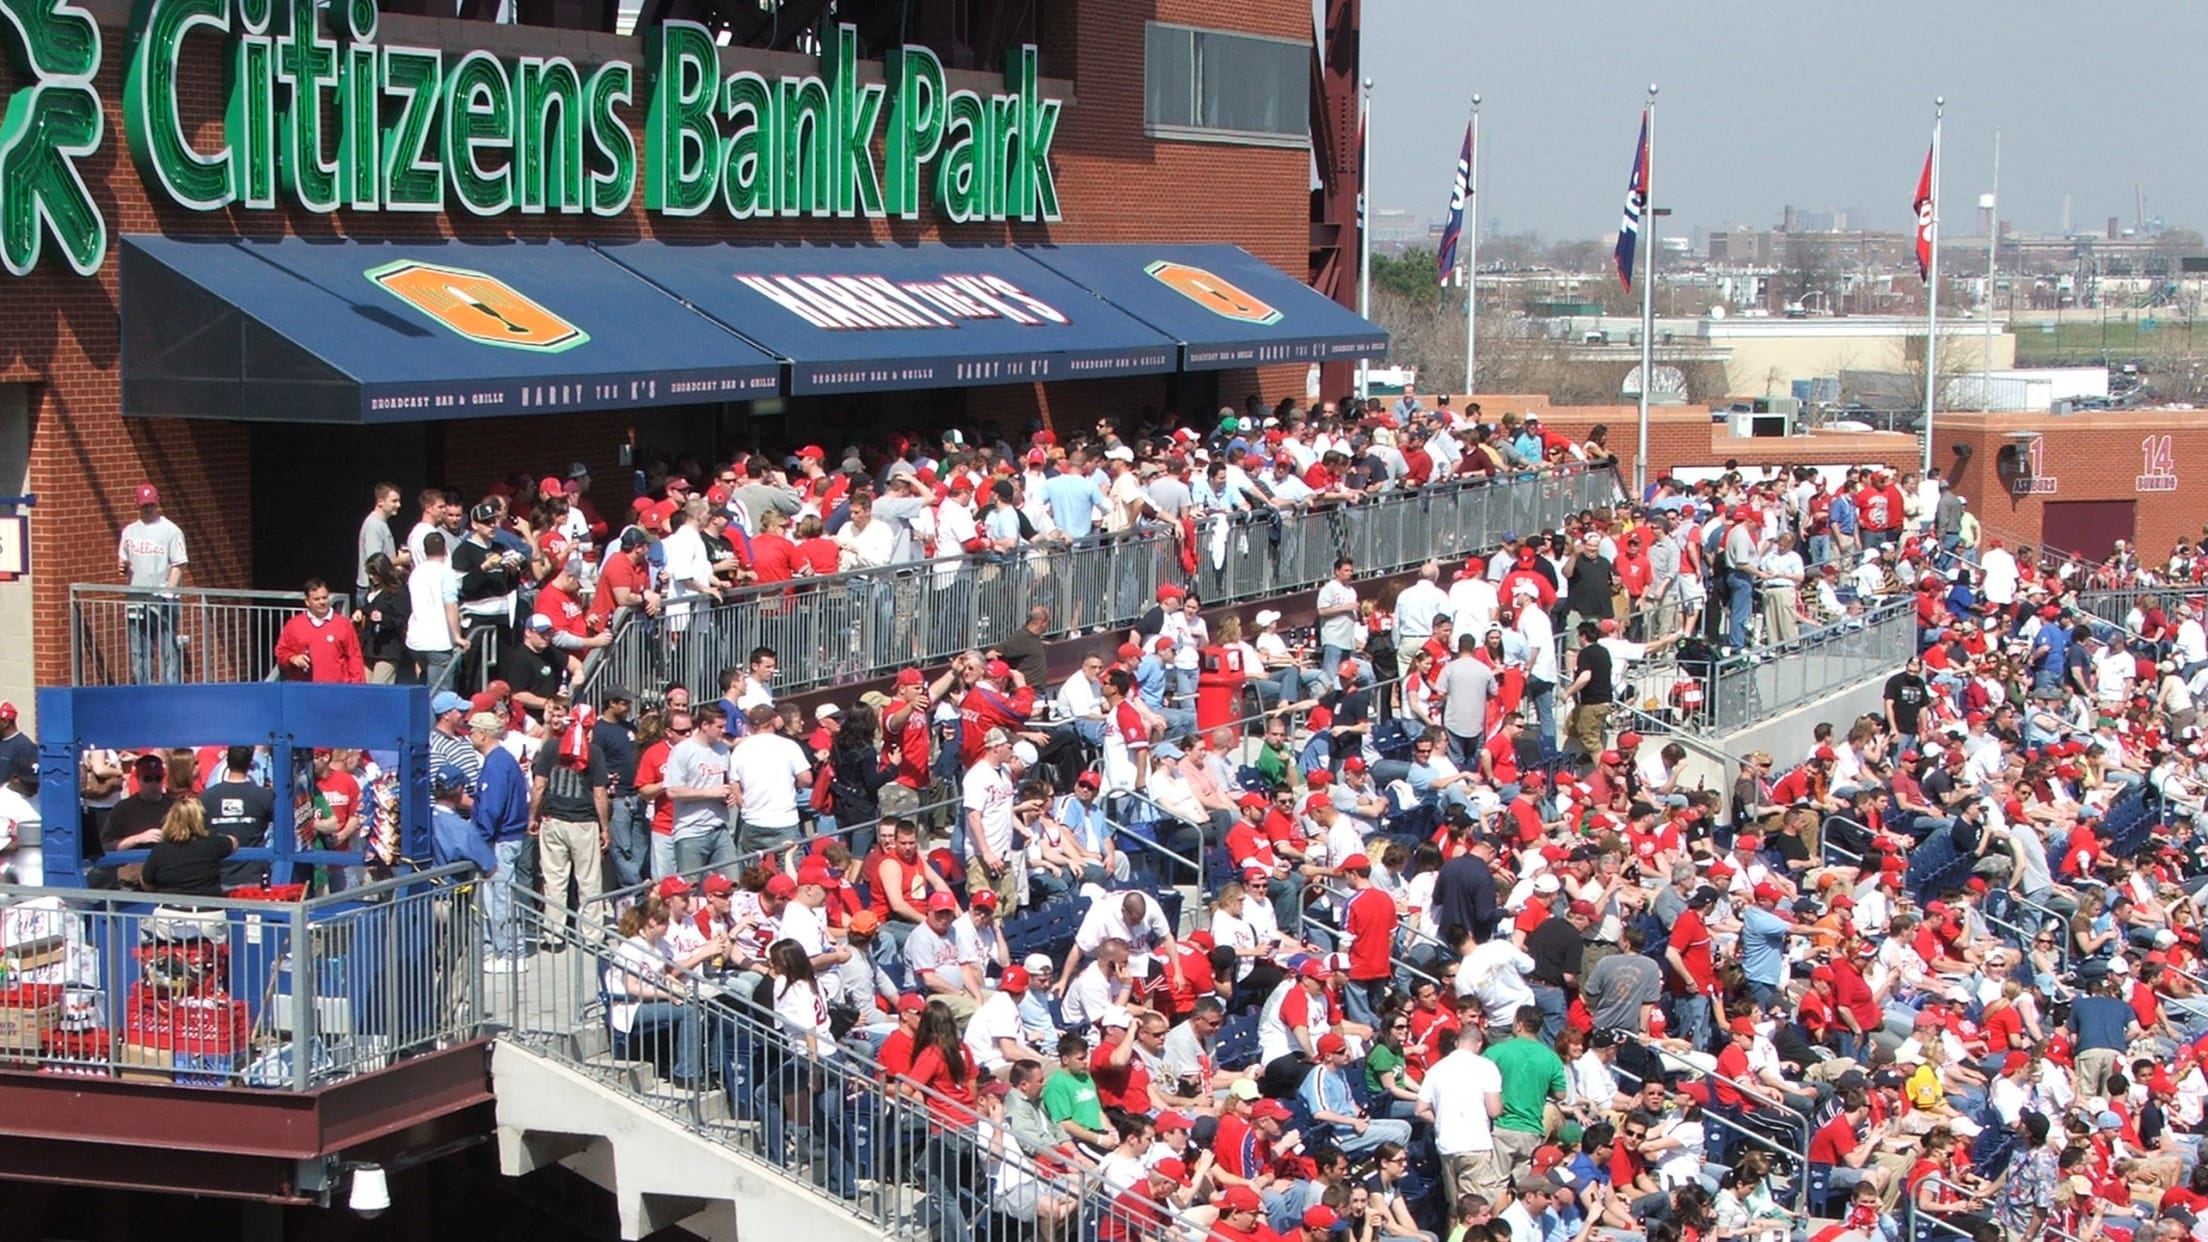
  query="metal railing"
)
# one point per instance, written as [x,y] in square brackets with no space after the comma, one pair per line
[2114,605]
[1755,686]
[124,636]
[904,1159]
[224,992]
[852,626]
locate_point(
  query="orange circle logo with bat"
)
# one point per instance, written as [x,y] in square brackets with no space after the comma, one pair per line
[480,307]
[1213,292]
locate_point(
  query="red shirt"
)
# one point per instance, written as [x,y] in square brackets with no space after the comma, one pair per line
[1791,788]
[1732,1063]
[1371,924]
[625,570]
[1241,1150]
[342,792]
[562,610]
[913,746]
[651,769]
[332,650]
[1626,1165]
[1125,1087]
[1505,755]
[773,558]
[1691,937]
[1815,1013]
[1834,1143]
[820,552]
[952,1103]
[1247,843]
[1851,993]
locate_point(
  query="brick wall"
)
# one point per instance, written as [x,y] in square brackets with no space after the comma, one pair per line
[2081,457]
[60,333]
[1684,437]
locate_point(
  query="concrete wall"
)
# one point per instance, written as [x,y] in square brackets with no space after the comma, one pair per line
[1787,737]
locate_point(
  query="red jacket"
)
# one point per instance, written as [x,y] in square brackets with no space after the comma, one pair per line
[985,708]
[332,648]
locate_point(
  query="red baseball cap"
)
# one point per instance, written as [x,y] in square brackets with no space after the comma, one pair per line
[1768,892]
[1357,862]
[1320,1217]
[986,899]
[7,711]
[718,885]
[1166,1120]
[942,901]
[781,886]
[996,670]
[811,450]
[1355,763]
[1240,1199]
[1014,980]
[1331,1043]
[1312,804]
[814,871]
[148,494]
[673,886]
[1319,779]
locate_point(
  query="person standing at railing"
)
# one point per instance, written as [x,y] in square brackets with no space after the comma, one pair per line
[150,555]
[319,645]
[434,635]
[502,819]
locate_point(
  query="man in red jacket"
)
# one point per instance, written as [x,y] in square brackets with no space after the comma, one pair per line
[319,645]
[987,706]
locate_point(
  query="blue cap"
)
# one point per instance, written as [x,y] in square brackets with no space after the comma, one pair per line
[446,701]
[1167,750]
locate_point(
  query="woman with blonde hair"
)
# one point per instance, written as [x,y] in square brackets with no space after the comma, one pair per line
[187,860]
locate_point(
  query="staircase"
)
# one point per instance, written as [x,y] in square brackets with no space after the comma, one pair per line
[825,1147]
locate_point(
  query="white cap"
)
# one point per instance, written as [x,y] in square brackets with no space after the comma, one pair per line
[1024,751]
[1035,962]
[1545,883]
[1115,1016]
[825,710]
[2165,938]
[1266,616]
[1122,453]
[2119,967]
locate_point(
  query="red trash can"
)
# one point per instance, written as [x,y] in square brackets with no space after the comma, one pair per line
[1219,681]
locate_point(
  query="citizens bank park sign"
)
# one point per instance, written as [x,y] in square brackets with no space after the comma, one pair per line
[321,115]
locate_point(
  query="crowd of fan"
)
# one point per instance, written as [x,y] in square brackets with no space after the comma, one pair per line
[1503,974]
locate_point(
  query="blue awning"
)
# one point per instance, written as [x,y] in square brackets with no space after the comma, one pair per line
[294,330]
[1223,305]
[859,318]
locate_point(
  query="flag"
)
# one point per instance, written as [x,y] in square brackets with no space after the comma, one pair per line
[1453,231]
[1924,210]
[1364,112]
[1636,199]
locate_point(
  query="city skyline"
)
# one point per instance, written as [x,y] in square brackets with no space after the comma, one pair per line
[1557,132]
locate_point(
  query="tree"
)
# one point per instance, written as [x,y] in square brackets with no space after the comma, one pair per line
[1807,265]
[1410,275]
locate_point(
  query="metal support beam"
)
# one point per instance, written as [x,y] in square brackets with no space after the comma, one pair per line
[1334,149]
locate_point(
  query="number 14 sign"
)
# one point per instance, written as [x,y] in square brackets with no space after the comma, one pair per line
[2157,466]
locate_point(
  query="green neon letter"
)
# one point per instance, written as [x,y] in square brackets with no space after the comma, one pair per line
[915,124]
[46,126]
[479,118]
[682,149]
[151,124]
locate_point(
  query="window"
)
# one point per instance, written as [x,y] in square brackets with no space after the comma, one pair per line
[1210,85]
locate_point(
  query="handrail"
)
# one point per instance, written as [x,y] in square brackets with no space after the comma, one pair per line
[1931,1219]
[126,635]
[857,624]
[1888,630]
[1753,1092]
[864,1133]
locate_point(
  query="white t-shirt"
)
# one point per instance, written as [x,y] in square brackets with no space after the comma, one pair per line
[1456,1090]
[987,789]
[430,585]
[996,1018]
[767,765]
[809,929]
[1341,630]
[2112,673]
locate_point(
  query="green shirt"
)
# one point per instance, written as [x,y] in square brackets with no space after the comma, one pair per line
[1379,1061]
[1531,1074]
[1067,1096]
[1272,764]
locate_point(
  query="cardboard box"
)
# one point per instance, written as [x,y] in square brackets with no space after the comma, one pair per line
[25,956]
[139,1063]
[28,1012]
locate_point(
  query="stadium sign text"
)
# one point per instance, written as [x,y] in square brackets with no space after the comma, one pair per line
[321,115]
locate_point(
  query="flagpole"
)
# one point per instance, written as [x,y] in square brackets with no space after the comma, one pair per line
[1993,248]
[1648,299]
[1364,229]
[1472,259]
[1932,292]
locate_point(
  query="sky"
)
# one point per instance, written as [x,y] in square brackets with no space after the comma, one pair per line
[1764,104]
